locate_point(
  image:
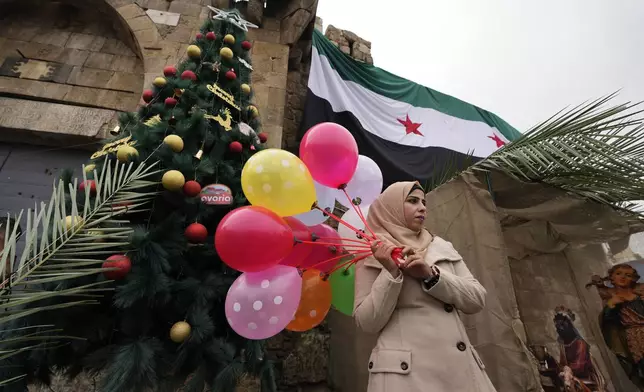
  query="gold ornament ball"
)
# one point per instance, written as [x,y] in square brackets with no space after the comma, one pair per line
[73,222]
[226,53]
[175,142]
[173,180]
[159,82]
[193,51]
[124,153]
[180,331]
[245,88]
[253,110]
[97,234]
[90,168]
[229,39]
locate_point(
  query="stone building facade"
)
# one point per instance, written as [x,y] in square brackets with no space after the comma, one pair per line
[68,67]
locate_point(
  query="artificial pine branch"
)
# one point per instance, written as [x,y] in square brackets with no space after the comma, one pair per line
[63,246]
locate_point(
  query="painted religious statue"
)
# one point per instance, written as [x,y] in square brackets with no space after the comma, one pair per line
[622,318]
[575,371]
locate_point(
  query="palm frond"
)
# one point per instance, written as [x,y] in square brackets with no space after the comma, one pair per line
[67,239]
[593,150]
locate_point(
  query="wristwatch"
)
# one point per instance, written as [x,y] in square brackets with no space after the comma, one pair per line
[432,280]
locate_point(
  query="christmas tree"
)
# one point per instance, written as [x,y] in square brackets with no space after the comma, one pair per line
[149,202]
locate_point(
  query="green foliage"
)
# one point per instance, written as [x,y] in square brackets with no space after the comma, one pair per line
[125,335]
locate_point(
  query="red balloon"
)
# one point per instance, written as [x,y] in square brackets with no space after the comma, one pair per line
[331,154]
[300,251]
[321,255]
[252,239]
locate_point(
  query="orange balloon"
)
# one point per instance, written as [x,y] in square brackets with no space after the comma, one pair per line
[314,303]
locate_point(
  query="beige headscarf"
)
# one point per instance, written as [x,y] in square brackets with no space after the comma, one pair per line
[387,218]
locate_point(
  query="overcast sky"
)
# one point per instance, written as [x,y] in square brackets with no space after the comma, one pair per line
[523,60]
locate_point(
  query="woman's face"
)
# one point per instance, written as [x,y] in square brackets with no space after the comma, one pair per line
[415,210]
[622,277]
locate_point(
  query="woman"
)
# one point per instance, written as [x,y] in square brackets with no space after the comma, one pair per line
[422,343]
[622,320]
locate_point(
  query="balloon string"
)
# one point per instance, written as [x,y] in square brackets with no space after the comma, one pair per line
[334,259]
[349,263]
[338,244]
[358,211]
[358,232]
[344,240]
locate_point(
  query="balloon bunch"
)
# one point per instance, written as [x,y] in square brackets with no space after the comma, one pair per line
[294,266]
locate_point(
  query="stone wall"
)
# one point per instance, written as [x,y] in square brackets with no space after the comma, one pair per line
[350,43]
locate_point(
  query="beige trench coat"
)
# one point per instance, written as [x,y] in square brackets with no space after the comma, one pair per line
[422,344]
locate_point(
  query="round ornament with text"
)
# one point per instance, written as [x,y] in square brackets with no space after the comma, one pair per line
[216,195]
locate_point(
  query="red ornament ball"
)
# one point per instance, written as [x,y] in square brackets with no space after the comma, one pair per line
[210,36]
[263,137]
[169,71]
[122,262]
[230,75]
[196,233]
[147,95]
[88,183]
[199,36]
[246,45]
[235,147]
[191,188]
[170,102]
[188,75]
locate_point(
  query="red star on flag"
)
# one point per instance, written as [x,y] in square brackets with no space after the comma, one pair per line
[410,126]
[499,142]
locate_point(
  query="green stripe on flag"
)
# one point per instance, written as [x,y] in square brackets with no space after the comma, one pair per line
[389,85]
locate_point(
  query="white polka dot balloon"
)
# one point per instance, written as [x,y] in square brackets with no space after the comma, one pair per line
[261,304]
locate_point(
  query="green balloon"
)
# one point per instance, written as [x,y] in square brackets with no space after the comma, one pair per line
[342,287]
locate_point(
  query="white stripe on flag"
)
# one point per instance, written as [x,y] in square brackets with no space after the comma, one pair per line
[384,117]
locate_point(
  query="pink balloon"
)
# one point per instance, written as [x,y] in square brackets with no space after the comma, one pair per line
[261,304]
[331,154]
[300,251]
[321,255]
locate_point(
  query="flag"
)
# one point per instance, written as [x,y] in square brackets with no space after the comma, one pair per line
[406,128]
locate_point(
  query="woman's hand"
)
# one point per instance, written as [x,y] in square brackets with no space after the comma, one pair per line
[416,267]
[382,252]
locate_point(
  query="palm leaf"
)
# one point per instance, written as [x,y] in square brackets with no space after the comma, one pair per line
[594,150]
[66,240]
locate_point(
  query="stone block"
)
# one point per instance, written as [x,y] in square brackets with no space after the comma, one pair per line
[161,5]
[261,97]
[89,77]
[62,120]
[254,12]
[115,46]
[53,37]
[162,49]
[89,42]
[33,88]
[190,1]
[118,100]
[277,98]
[185,8]
[271,24]
[294,24]
[119,3]
[319,25]
[163,17]
[147,36]
[156,64]
[270,79]
[22,32]
[193,22]
[142,22]
[272,116]
[180,34]
[130,11]
[263,35]
[101,60]
[274,135]
[126,64]
[126,81]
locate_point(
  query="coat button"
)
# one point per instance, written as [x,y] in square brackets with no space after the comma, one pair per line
[461,346]
[449,308]
[370,365]
[404,366]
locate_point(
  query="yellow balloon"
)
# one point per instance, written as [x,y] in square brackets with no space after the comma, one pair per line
[278,180]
